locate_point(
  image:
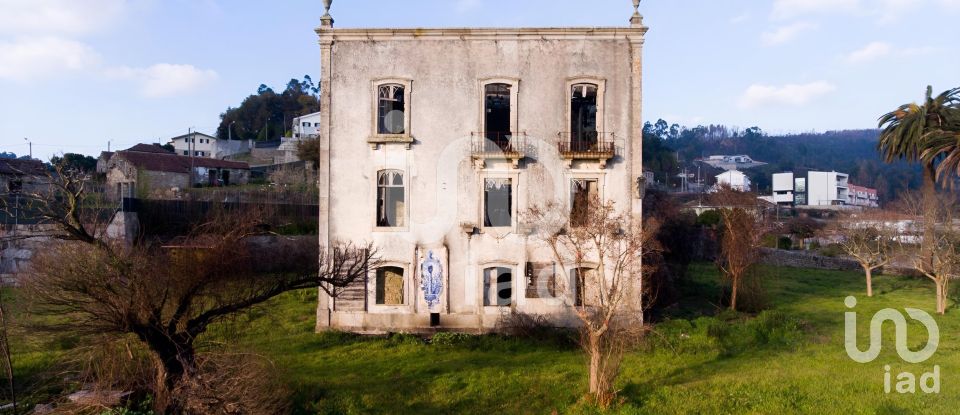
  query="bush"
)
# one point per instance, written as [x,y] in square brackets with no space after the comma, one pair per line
[452,339]
[785,243]
[831,250]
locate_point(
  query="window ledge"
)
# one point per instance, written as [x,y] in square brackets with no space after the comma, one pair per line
[387,229]
[377,140]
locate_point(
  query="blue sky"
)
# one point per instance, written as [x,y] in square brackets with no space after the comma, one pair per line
[77,73]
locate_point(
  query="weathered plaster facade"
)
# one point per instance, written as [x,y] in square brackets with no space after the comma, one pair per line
[442,75]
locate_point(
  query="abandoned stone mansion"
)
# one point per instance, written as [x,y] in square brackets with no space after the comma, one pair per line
[434,143]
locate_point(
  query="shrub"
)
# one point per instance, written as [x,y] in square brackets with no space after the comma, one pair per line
[452,339]
[784,242]
[831,250]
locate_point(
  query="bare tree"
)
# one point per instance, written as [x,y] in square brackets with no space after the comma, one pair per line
[869,240]
[600,253]
[939,259]
[167,295]
[742,229]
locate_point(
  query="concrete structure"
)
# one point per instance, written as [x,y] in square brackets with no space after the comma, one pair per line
[735,179]
[151,172]
[202,145]
[434,142]
[821,189]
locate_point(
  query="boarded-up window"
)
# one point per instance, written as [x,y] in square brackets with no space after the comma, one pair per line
[541,280]
[498,286]
[390,286]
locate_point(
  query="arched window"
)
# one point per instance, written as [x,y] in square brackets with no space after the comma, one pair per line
[391,109]
[583,116]
[498,286]
[390,286]
[390,199]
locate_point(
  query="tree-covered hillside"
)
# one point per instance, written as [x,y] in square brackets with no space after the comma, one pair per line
[850,151]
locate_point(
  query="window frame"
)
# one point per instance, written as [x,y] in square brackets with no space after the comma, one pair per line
[514,84]
[407,85]
[601,85]
[514,298]
[408,294]
[599,177]
[406,200]
[514,178]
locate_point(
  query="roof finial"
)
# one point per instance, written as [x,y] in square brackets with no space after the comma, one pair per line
[637,19]
[327,19]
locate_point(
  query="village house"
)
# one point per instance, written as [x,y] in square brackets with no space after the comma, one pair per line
[202,145]
[152,172]
[22,176]
[435,142]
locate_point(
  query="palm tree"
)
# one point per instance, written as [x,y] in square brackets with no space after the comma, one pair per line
[943,147]
[912,131]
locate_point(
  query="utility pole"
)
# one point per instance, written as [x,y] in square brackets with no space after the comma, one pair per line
[108,146]
[31,146]
[191,147]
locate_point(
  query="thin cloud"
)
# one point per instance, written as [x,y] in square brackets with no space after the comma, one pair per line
[871,52]
[67,17]
[788,9]
[786,33]
[759,95]
[27,59]
[464,6]
[166,80]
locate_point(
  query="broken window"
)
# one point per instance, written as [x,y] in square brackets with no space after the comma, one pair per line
[498,203]
[391,109]
[498,286]
[541,280]
[583,117]
[583,195]
[581,278]
[390,199]
[390,286]
[496,110]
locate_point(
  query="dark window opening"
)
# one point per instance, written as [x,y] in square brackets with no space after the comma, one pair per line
[496,110]
[390,286]
[391,118]
[498,203]
[581,277]
[583,117]
[390,199]
[498,286]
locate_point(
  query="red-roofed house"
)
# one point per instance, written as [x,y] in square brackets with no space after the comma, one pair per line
[862,196]
[152,172]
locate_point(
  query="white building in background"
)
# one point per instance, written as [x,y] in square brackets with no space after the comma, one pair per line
[434,143]
[202,145]
[735,179]
[821,189]
[734,162]
[827,188]
[306,126]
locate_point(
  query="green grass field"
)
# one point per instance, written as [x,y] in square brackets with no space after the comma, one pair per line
[789,359]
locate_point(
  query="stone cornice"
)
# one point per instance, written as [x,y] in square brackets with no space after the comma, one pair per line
[567,33]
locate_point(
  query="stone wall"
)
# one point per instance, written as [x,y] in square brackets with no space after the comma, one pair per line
[17,247]
[802,259]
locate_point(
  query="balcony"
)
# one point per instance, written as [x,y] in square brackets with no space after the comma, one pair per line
[590,145]
[509,146]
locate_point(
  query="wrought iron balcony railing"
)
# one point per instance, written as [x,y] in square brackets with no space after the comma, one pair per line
[510,146]
[586,145]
